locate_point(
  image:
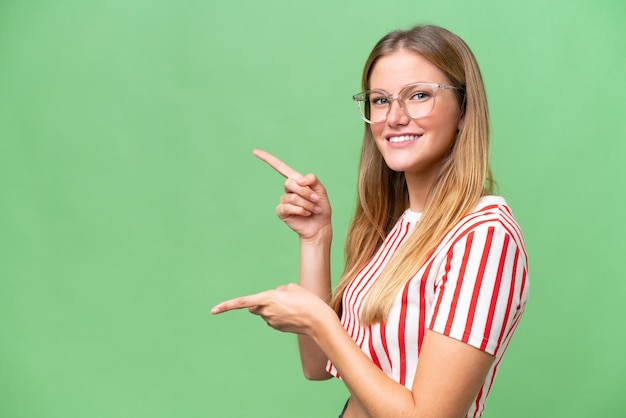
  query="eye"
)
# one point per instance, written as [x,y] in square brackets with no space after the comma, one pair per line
[378,100]
[420,95]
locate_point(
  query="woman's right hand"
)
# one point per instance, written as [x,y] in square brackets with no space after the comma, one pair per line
[304,205]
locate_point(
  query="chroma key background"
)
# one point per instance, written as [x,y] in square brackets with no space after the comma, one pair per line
[130,202]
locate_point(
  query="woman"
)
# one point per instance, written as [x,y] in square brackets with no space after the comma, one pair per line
[435,280]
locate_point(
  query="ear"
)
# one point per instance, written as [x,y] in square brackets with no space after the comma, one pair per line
[461,117]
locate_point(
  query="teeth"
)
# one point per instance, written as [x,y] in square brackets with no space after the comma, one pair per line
[403,138]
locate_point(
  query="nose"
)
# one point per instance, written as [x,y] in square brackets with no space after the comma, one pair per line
[396,115]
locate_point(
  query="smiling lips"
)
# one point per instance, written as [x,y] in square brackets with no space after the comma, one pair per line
[403,138]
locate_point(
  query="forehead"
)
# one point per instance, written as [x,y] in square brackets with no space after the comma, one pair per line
[393,71]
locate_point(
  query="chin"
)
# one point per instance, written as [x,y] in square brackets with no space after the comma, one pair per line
[399,166]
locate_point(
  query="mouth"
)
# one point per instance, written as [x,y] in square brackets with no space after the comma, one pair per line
[403,138]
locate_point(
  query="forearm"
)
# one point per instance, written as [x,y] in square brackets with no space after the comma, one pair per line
[376,393]
[315,277]
[315,264]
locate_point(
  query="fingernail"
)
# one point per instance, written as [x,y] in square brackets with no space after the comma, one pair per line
[315,197]
[215,310]
[318,209]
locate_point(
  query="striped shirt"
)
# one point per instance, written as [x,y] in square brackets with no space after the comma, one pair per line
[472,288]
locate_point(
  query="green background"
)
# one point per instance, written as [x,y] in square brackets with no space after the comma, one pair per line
[131,204]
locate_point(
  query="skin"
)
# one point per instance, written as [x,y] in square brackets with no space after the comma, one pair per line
[449,373]
[419,159]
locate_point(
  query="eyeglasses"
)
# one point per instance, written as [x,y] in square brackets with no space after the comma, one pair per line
[416,101]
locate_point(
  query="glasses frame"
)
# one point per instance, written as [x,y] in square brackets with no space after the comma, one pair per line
[360,97]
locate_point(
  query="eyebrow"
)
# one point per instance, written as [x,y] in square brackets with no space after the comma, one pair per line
[406,85]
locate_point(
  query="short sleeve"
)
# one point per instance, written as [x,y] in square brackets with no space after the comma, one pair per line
[481,288]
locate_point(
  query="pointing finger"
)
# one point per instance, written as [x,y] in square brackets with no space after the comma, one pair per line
[282,168]
[239,303]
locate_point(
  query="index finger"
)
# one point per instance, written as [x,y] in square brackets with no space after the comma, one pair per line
[282,168]
[239,303]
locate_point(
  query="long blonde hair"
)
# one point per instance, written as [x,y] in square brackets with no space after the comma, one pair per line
[464,175]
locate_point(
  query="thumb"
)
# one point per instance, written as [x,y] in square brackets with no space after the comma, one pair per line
[311,180]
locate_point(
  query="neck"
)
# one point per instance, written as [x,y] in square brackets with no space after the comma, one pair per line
[419,187]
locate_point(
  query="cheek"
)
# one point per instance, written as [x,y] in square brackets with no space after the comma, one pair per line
[377,130]
[446,124]
[377,136]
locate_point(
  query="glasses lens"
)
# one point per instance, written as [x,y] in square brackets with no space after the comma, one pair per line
[418,100]
[372,106]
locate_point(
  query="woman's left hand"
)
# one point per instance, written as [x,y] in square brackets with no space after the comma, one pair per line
[288,308]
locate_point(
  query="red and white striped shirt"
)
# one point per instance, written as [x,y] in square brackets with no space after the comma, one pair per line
[472,288]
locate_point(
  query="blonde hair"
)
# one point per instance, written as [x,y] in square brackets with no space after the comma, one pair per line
[464,175]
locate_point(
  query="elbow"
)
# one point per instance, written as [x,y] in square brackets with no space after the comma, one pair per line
[316,374]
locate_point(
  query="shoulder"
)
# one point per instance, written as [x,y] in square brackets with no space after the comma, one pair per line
[490,222]
[490,213]
[493,207]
